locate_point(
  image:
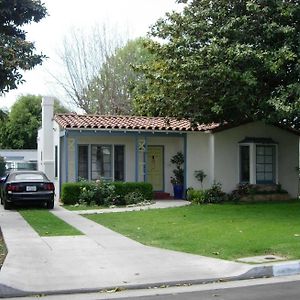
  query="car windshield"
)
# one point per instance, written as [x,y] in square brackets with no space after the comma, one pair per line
[28,176]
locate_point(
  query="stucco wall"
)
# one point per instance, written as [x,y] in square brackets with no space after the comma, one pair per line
[226,162]
[198,158]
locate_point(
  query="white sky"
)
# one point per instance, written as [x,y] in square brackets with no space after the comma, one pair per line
[132,16]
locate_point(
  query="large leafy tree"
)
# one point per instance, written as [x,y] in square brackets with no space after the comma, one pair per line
[19,129]
[225,61]
[16,53]
[112,89]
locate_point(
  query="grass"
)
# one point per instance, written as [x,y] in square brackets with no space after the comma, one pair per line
[227,231]
[3,250]
[47,224]
[83,207]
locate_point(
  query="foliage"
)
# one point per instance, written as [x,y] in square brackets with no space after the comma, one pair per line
[134,197]
[2,166]
[99,193]
[200,175]
[112,89]
[103,193]
[225,61]
[229,231]
[19,130]
[83,54]
[178,161]
[70,191]
[246,189]
[47,224]
[16,52]
[124,188]
[212,195]
[196,196]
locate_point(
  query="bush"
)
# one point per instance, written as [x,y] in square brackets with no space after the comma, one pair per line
[246,189]
[70,193]
[124,188]
[134,198]
[103,193]
[196,196]
[212,195]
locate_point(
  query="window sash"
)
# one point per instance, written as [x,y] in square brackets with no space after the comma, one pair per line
[245,164]
[83,166]
[119,163]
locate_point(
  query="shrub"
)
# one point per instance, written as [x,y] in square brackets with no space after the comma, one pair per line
[134,197]
[71,191]
[246,189]
[124,188]
[212,195]
[196,196]
[215,194]
[103,193]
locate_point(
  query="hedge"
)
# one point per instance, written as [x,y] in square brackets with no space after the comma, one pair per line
[71,190]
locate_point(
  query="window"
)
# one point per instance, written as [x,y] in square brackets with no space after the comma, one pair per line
[101,162]
[119,163]
[265,164]
[83,167]
[258,161]
[245,164]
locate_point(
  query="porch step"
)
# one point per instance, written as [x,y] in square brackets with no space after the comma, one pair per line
[162,196]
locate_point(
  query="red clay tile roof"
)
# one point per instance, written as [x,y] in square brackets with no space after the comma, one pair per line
[74,121]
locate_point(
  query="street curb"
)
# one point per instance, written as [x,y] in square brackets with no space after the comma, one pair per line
[277,270]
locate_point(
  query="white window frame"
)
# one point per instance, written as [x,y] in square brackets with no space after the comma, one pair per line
[252,159]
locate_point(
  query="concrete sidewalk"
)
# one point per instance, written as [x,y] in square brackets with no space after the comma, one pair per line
[97,260]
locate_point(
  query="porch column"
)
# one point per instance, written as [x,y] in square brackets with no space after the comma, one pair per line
[140,159]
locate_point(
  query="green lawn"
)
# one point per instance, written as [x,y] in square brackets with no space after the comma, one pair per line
[83,207]
[226,231]
[3,250]
[47,224]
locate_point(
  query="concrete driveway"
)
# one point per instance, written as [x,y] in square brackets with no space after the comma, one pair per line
[99,259]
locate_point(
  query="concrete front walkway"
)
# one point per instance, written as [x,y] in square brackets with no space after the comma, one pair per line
[97,260]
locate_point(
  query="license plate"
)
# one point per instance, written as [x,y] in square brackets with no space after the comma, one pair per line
[31,188]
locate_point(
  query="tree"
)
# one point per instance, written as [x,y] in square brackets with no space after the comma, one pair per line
[19,131]
[225,61]
[82,56]
[112,88]
[16,53]
[2,166]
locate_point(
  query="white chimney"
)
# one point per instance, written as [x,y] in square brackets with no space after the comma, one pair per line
[47,149]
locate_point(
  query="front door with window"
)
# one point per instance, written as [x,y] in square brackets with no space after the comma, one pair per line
[155,171]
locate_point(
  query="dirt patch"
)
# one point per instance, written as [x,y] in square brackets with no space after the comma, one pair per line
[3,250]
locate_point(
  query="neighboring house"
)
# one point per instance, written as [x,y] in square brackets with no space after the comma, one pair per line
[130,148]
[23,159]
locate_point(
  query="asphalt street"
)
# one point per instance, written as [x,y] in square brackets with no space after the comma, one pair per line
[275,288]
[279,291]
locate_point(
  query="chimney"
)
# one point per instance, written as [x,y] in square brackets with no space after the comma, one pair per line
[47,150]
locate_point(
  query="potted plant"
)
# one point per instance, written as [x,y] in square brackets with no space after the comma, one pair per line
[178,179]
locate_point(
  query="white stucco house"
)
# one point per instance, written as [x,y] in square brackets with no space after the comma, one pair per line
[129,148]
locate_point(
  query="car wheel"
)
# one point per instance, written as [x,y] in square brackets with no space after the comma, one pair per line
[50,204]
[6,205]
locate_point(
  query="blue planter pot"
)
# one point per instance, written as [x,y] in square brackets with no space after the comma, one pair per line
[178,191]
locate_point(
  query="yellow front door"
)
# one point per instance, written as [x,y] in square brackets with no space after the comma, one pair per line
[155,173]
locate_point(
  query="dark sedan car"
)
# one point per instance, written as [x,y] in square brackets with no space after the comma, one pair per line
[27,186]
